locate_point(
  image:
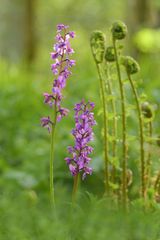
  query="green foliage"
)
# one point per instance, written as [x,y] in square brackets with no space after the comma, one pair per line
[147,40]
[109,54]
[146,109]
[119,30]
[130,64]
[97,42]
[30,217]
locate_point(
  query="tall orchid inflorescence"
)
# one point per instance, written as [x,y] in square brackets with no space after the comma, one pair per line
[61,69]
[83,134]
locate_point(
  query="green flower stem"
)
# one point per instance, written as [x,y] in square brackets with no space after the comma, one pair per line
[104,105]
[124,128]
[75,187]
[114,128]
[141,133]
[148,163]
[52,198]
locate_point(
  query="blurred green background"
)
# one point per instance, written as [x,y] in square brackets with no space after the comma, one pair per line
[27,30]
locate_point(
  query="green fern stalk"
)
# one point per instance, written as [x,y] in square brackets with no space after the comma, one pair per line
[148,163]
[124,128]
[114,126]
[97,42]
[141,135]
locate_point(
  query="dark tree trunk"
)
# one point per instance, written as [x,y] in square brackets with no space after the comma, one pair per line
[30,31]
[140,14]
[143,12]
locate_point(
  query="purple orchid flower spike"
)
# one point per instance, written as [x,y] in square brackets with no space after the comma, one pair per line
[61,69]
[83,134]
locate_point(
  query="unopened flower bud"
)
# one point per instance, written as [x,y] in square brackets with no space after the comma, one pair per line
[119,30]
[109,54]
[97,42]
[130,64]
[146,109]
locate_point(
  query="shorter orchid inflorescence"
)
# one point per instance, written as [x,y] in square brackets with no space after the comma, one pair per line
[83,134]
[61,69]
